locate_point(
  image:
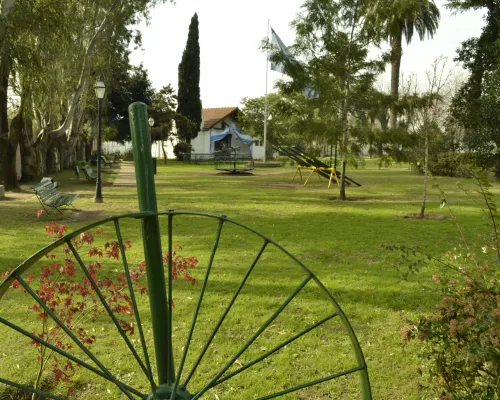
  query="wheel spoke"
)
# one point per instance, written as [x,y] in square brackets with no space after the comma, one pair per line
[64,353]
[222,318]
[31,389]
[134,305]
[277,348]
[311,383]
[71,335]
[198,305]
[107,307]
[213,382]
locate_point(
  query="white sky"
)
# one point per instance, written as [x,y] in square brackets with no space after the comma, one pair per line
[232,66]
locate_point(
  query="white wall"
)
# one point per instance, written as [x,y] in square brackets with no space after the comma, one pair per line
[201,143]
[257,151]
[157,152]
[113,147]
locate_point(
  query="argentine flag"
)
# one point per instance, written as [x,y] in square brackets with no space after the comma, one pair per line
[275,39]
[310,92]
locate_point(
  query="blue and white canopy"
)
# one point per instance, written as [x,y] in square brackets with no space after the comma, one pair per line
[247,139]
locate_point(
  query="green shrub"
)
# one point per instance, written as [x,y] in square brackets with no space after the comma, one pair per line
[453,164]
[180,149]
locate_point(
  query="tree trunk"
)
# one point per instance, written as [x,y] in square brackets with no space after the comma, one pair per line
[497,168]
[345,108]
[33,153]
[426,165]
[343,147]
[7,172]
[396,54]
[80,149]
[342,195]
[163,147]
[7,175]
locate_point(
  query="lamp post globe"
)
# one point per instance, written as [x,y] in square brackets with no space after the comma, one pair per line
[100,89]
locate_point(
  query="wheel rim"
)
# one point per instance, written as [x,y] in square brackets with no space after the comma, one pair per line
[189,357]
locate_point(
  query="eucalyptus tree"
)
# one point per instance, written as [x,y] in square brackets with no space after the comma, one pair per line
[331,56]
[58,49]
[393,20]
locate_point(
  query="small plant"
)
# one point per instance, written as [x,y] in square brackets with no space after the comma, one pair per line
[72,298]
[461,337]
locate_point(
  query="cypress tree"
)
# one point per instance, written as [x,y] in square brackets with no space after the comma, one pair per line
[188,98]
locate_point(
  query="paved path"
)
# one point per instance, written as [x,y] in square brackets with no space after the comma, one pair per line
[126,176]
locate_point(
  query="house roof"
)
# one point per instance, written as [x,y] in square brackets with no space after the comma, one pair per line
[213,115]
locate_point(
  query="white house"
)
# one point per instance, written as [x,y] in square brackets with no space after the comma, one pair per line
[219,130]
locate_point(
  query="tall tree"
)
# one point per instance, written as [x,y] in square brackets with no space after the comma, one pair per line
[162,109]
[475,106]
[331,55]
[426,113]
[188,97]
[131,84]
[392,20]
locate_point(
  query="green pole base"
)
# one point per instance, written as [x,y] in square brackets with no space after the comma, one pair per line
[164,392]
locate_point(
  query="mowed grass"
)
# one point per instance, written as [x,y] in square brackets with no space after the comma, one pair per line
[339,241]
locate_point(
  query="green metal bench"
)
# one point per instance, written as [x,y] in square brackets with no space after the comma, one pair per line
[48,196]
[229,358]
[109,163]
[89,174]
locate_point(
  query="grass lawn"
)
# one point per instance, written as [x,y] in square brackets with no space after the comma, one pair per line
[339,241]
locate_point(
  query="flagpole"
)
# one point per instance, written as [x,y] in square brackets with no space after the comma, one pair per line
[265,101]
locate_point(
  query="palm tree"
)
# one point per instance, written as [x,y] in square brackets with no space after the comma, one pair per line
[391,20]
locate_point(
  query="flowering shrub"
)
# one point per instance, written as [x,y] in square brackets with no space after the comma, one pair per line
[461,337]
[73,299]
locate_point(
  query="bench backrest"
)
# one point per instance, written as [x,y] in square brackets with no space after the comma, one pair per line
[45,190]
[88,171]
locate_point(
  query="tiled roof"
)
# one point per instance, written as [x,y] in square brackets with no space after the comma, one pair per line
[213,115]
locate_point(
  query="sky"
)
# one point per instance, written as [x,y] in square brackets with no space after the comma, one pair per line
[233,66]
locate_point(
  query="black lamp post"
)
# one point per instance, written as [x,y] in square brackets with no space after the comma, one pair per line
[99,92]
[151,122]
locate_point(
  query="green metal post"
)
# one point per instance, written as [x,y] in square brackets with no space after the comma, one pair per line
[160,312]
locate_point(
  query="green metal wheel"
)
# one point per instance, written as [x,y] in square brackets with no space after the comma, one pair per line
[258,324]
